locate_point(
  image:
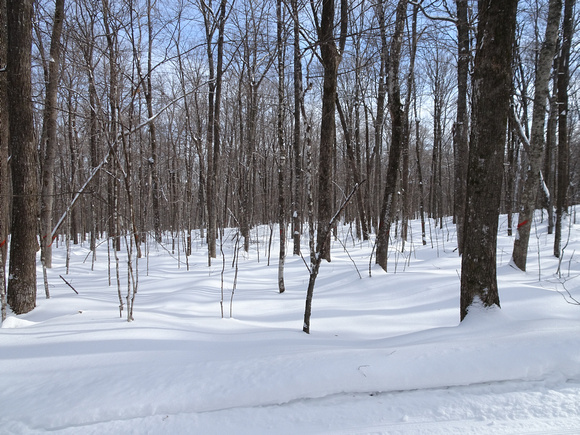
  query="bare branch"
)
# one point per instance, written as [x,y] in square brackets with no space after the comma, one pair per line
[431,17]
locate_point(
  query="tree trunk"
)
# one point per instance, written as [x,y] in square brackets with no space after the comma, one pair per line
[492,84]
[4,178]
[281,151]
[405,157]
[49,137]
[353,170]
[24,244]
[330,61]
[397,136]
[297,146]
[536,151]
[375,160]
[563,179]
[154,157]
[216,117]
[420,175]
[213,120]
[113,95]
[460,143]
[510,168]
[87,48]
[549,169]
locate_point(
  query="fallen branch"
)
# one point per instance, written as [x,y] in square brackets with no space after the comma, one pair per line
[67,283]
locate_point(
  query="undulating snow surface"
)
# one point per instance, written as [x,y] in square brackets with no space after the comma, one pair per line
[386,353]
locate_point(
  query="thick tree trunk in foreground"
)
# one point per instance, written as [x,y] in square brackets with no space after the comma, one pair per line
[491,83]
[4,137]
[24,244]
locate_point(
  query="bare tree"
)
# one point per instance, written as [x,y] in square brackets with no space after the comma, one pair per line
[213,22]
[563,179]
[49,135]
[397,135]
[4,138]
[492,78]
[281,147]
[406,194]
[23,244]
[331,56]
[297,144]
[536,147]
[154,156]
[460,130]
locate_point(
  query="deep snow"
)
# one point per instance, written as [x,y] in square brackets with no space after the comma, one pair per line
[386,353]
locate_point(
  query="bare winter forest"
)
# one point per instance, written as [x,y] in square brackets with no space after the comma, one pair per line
[126,121]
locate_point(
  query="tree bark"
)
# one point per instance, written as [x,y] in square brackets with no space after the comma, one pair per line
[331,57]
[420,175]
[563,180]
[460,143]
[406,197]
[491,89]
[154,158]
[536,152]
[353,170]
[49,136]
[24,244]
[281,150]
[297,145]
[213,120]
[4,178]
[397,136]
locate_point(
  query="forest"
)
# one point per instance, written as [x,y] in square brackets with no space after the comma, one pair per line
[139,122]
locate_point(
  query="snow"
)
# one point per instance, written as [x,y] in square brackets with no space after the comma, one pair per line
[386,353]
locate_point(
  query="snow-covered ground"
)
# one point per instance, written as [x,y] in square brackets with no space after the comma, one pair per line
[386,353]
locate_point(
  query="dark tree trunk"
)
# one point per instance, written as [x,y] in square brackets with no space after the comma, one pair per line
[563,179]
[154,157]
[49,137]
[297,147]
[549,169]
[460,143]
[397,136]
[421,188]
[213,128]
[353,170]
[510,170]
[374,163]
[4,178]
[410,85]
[24,244]
[87,48]
[492,84]
[435,193]
[113,183]
[330,62]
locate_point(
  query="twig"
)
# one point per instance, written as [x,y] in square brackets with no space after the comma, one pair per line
[348,253]
[67,283]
